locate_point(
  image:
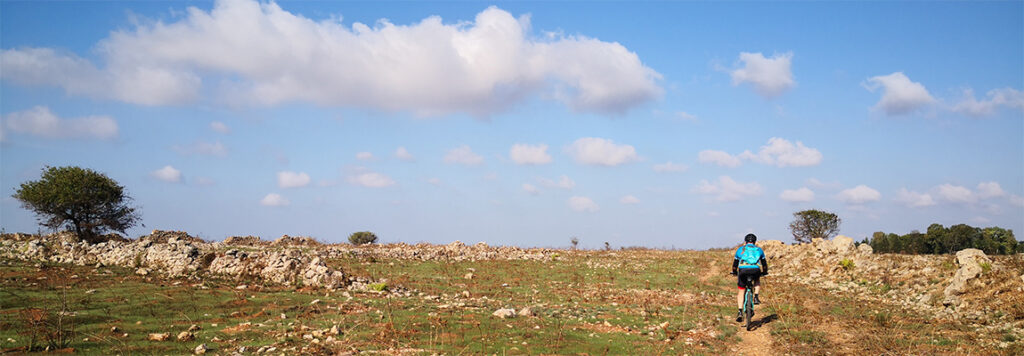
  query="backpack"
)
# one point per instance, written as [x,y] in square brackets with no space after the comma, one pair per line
[750,256]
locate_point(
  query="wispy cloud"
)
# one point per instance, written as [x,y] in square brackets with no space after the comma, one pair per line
[601,152]
[40,121]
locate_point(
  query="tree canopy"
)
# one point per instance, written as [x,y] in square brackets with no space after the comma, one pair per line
[940,240]
[814,224]
[87,202]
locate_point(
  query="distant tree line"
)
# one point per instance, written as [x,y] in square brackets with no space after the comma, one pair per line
[941,240]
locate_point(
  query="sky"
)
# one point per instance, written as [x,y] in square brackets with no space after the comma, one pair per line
[657,124]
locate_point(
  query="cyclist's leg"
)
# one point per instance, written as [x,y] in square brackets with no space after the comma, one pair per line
[757,284]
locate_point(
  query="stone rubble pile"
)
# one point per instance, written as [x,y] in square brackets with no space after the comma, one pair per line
[455,251]
[176,254]
[925,283]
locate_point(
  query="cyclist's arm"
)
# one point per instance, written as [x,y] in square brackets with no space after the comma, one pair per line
[764,264]
[735,265]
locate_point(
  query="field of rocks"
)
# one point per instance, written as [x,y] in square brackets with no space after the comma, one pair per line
[171,293]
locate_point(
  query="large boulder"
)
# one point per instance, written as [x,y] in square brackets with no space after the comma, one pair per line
[970,261]
[842,245]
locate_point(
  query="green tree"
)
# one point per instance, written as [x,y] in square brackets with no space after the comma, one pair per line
[362,238]
[814,224]
[87,202]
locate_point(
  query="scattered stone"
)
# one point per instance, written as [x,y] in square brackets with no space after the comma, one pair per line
[91,291]
[142,272]
[114,329]
[468,275]
[504,313]
[194,328]
[201,349]
[186,336]
[315,302]
[526,311]
[159,337]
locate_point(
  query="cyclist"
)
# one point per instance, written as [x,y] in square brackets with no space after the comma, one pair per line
[745,264]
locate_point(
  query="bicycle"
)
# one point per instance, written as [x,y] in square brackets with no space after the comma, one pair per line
[748,302]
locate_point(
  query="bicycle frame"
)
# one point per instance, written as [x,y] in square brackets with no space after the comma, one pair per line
[748,302]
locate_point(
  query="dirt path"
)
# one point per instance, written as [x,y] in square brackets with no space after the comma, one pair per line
[755,342]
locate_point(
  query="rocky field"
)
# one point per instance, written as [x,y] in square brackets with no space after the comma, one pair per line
[171,293]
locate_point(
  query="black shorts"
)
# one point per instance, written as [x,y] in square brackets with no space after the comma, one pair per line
[754,273]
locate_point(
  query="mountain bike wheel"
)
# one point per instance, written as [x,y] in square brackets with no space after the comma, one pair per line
[748,309]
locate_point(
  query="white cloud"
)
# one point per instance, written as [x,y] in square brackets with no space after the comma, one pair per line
[600,151]
[287,179]
[726,189]
[203,148]
[582,204]
[220,127]
[403,154]
[778,152]
[1005,97]
[914,199]
[167,174]
[900,96]
[259,53]
[563,182]
[988,190]
[670,167]
[955,193]
[531,189]
[143,81]
[782,153]
[769,76]
[522,153]
[40,121]
[629,199]
[274,199]
[1016,200]
[369,179]
[801,195]
[859,195]
[364,156]
[463,155]
[720,158]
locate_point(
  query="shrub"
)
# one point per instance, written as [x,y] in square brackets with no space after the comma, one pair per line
[379,287]
[362,238]
[986,267]
[847,264]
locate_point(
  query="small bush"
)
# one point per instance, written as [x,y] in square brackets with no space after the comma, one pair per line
[986,267]
[362,238]
[847,264]
[379,287]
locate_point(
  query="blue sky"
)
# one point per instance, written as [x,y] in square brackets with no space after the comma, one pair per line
[662,124]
